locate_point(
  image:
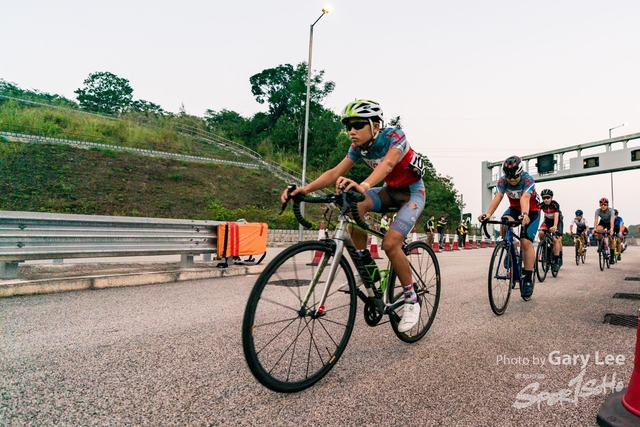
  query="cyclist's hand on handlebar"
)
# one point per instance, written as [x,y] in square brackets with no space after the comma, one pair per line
[291,191]
[525,219]
[483,217]
[344,184]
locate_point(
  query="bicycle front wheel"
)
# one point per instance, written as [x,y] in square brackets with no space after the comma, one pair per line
[426,278]
[500,278]
[601,255]
[289,341]
[577,253]
[541,262]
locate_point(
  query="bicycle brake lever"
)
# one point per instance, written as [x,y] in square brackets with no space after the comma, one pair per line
[290,188]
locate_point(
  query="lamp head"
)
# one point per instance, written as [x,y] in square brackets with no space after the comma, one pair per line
[326,9]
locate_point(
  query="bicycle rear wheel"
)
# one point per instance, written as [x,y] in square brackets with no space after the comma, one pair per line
[541,262]
[426,276]
[288,343]
[500,278]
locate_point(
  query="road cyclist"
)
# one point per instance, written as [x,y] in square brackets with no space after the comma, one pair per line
[400,169]
[524,205]
[580,235]
[603,225]
[552,222]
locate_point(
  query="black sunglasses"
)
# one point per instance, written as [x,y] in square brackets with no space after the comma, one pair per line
[513,176]
[546,197]
[355,125]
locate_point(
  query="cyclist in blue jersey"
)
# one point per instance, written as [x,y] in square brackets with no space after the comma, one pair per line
[400,169]
[618,222]
[524,205]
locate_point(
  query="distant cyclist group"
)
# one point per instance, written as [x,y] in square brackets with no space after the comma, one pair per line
[542,210]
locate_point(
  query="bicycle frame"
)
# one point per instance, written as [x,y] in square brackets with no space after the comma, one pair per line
[510,238]
[342,240]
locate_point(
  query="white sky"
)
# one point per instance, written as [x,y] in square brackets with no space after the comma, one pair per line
[471,80]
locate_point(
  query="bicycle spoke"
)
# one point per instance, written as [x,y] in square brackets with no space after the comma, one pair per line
[287,345]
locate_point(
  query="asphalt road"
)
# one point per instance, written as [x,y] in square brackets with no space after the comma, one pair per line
[170,355]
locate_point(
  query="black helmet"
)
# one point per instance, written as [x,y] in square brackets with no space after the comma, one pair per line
[547,192]
[579,212]
[512,167]
[615,211]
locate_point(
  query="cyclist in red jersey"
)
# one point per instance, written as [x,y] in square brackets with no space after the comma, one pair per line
[395,164]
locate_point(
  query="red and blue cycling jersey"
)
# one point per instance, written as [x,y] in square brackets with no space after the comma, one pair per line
[515,192]
[407,171]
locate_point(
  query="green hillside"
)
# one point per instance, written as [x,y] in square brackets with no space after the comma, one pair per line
[64,179]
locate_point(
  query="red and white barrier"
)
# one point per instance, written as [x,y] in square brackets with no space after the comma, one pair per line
[455,242]
[414,237]
[493,241]
[483,244]
[374,248]
[447,245]
[624,410]
[475,242]
[436,242]
[318,254]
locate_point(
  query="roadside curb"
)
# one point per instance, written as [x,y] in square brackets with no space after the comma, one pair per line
[10,288]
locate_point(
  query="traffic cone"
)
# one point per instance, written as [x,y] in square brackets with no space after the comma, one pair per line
[447,245]
[455,242]
[619,409]
[493,241]
[414,237]
[374,248]
[483,244]
[436,244]
[318,254]
[475,242]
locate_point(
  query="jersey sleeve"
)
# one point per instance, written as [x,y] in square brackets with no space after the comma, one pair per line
[353,153]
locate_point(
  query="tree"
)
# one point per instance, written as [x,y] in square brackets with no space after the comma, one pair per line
[284,89]
[146,107]
[104,92]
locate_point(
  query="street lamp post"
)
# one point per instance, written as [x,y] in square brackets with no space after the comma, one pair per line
[325,10]
[615,127]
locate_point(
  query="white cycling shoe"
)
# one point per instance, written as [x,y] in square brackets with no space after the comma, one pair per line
[410,317]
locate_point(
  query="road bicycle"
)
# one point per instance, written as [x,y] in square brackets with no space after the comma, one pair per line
[505,268]
[302,308]
[603,249]
[581,248]
[545,257]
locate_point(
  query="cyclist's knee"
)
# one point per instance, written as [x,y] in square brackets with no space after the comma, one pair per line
[392,239]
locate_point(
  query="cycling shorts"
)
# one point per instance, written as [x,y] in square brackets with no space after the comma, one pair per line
[409,201]
[548,223]
[528,232]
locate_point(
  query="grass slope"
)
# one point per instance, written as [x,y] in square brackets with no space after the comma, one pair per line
[64,179]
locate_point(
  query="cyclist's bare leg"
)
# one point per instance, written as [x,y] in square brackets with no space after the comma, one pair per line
[358,236]
[392,246]
[557,245]
[528,254]
[599,229]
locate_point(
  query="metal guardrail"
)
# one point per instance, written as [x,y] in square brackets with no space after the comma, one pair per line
[41,236]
